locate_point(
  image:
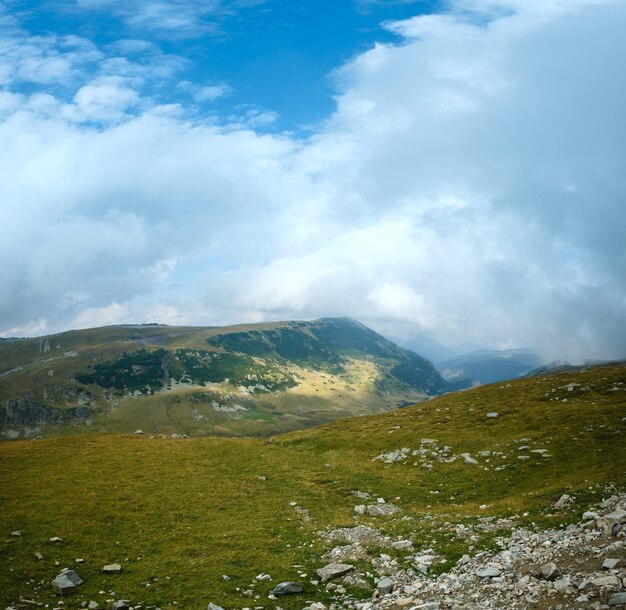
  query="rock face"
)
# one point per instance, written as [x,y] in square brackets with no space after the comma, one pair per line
[334,570]
[26,412]
[287,588]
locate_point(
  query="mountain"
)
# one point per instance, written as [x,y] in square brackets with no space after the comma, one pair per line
[256,379]
[488,366]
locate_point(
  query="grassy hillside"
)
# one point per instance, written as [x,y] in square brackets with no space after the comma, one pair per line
[243,380]
[181,514]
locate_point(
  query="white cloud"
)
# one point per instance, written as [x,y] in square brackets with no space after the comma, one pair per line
[469,185]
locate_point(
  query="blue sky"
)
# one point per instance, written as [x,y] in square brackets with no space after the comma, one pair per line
[453,169]
[273,56]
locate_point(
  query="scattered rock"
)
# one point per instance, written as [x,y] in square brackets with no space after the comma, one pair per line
[403,545]
[488,572]
[16,534]
[549,571]
[618,599]
[94,606]
[120,604]
[112,568]
[610,564]
[56,540]
[38,555]
[385,585]
[213,606]
[287,588]
[138,431]
[66,582]
[334,570]
[564,501]
[493,415]
[468,459]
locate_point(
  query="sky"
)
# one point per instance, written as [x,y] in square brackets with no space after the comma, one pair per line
[451,169]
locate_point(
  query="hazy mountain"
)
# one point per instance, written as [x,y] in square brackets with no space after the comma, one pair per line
[488,366]
[239,380]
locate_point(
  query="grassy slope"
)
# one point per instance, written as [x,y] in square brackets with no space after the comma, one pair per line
[53,365]
[189,511]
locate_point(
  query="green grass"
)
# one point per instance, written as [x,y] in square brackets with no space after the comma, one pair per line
[187,512]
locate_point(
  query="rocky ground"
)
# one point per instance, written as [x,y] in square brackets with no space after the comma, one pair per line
[581,566]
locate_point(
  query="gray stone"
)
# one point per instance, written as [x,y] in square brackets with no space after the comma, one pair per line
[589,515]
[563,501]
[94,606]
[62,585]
[618,599]
[56,540]
[561,584]
[112,568]
[607,581]
[493,415]
[403,545]
[468,459]
[287,588]
[385,585]
[213,606]
[38,555]
[616,529]
[549,571]
[353,580]
[334,570]
[120,604]
[610,564]
[16,534]
[488,572]
[72,575]
[382,510]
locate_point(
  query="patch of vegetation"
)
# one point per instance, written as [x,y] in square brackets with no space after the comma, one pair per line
[133,371]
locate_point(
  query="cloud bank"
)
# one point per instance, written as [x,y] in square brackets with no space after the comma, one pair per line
[470,186]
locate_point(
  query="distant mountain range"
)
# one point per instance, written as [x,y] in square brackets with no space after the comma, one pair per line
[488,366]
[253,379]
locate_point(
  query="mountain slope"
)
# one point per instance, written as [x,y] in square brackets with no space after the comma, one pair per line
[181,514]
[239,380]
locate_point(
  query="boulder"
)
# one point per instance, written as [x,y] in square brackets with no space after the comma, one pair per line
[549,571]
[62,585]
[385,585]
[488,572]
[618,599]
[287,588]
[334,570]
[72,575]
[403,545]
[563,501]
[468,459]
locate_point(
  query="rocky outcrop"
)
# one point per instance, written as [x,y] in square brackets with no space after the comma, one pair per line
[25,412]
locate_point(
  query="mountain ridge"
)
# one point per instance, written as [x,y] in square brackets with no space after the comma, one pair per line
[242,379]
